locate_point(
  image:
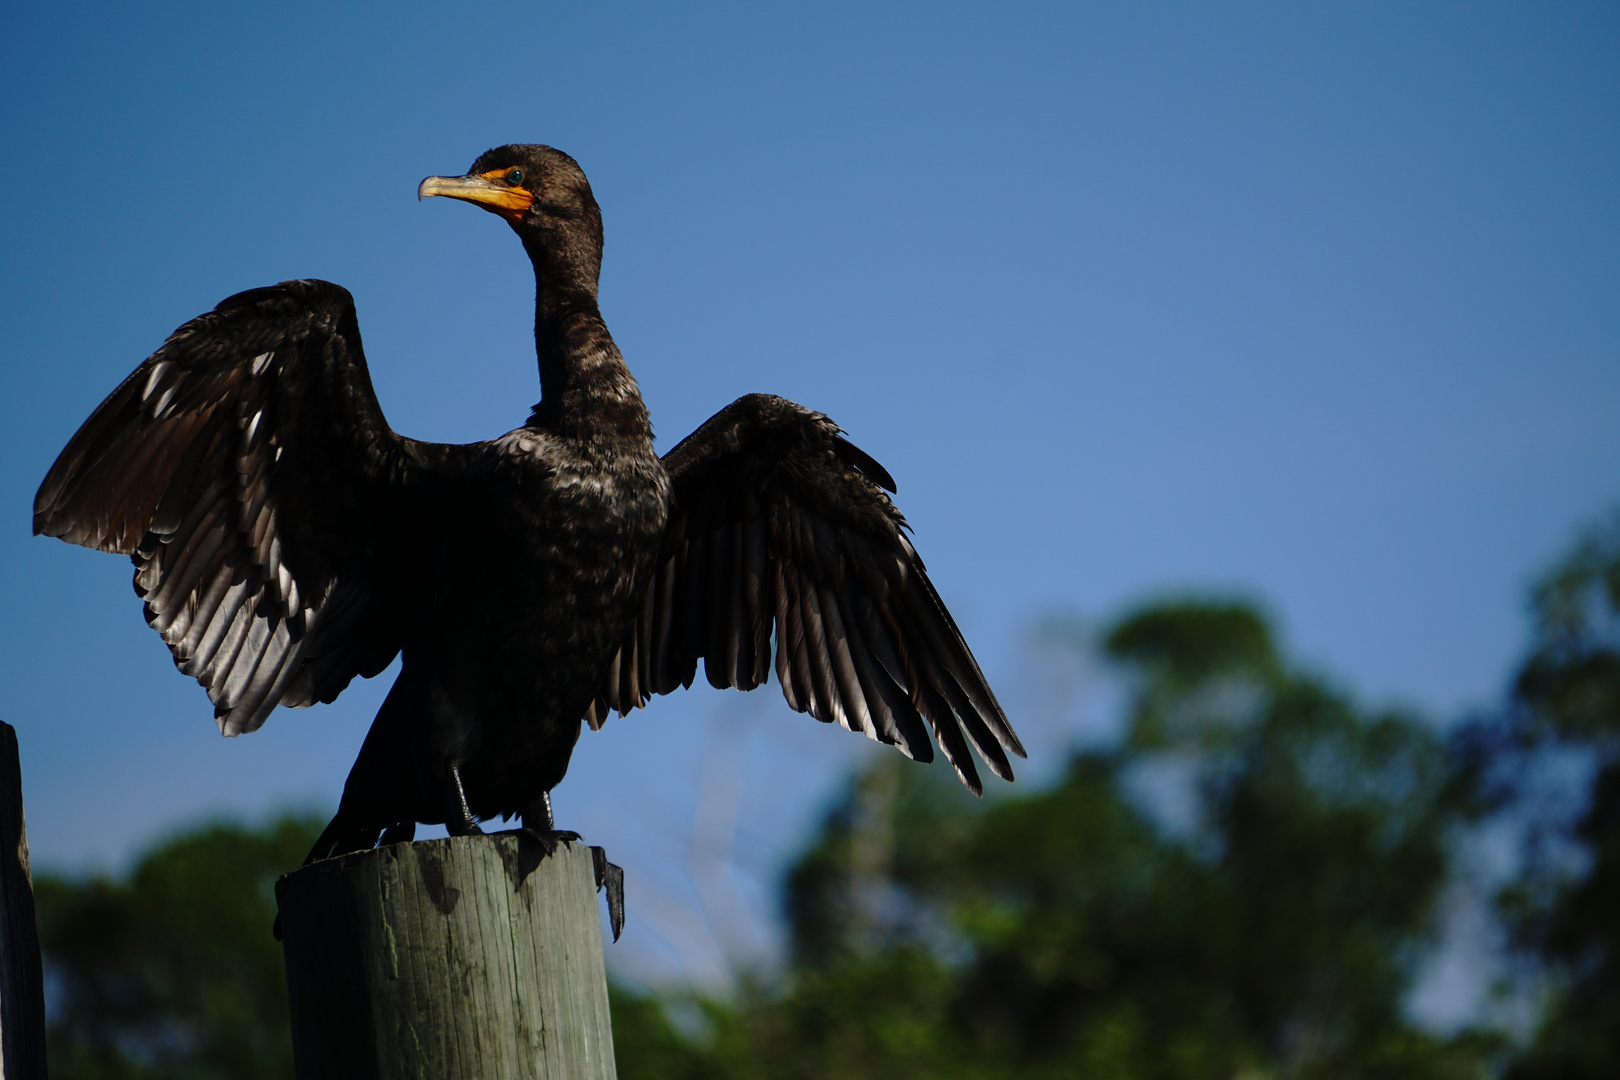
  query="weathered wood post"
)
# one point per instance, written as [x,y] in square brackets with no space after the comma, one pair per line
[457,959]
[22,983]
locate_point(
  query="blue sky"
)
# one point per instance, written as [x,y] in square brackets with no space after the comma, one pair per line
[1315,304]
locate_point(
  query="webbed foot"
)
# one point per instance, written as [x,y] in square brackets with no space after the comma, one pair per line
[548,839]
[340,837]
[402,833]
[467,826]
[538,823]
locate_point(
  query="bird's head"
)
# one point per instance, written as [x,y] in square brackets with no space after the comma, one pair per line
[543,194]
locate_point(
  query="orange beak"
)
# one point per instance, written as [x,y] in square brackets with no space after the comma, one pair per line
[488,191]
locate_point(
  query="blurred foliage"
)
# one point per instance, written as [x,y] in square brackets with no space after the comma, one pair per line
[1073,933]
[172,971]
[1563,910]
[1243,887]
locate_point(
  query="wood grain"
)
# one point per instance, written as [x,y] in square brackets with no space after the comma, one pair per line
[447,960]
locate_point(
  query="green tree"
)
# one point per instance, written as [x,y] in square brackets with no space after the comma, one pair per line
[1564,912]
[172,971]
[1073,933]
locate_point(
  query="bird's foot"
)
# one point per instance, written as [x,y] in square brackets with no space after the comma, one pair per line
[463,826]
[548,839]
[458,818]
[401,833]
[340,837]
[539,823]
[611,877]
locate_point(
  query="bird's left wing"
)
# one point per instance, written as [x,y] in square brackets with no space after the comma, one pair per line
[247,470]
[778,521]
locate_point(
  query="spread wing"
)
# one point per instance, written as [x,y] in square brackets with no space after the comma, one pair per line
[777,522]
[248,471]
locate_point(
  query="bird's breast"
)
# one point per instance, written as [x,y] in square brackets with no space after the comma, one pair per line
[570,518]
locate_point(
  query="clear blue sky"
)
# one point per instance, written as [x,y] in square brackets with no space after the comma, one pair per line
[1318,304]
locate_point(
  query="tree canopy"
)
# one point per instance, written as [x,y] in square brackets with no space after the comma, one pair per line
[1072,932]
[1563,908]
[171,971]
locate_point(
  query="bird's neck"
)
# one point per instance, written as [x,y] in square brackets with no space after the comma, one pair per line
[585,386]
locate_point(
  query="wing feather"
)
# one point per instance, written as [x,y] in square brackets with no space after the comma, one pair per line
[248,471]
[756,578]
[853,713]
[779,524]
[791,671]
[715,611]
[662,596]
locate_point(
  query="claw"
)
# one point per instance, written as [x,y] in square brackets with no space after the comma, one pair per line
[402,833]
[612,877]
[549,838]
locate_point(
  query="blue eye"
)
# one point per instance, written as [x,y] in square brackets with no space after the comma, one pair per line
[515,176]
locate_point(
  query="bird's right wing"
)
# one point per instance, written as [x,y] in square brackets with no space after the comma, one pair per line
[778,519]
[248,471]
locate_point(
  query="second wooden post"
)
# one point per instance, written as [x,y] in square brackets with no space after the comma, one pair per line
[447,959]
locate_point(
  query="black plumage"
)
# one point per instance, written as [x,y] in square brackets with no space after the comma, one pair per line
[286,539]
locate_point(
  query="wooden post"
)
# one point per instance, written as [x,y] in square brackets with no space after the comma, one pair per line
[472,957]
[22,984]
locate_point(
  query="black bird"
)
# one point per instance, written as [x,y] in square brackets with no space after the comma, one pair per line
[285,540]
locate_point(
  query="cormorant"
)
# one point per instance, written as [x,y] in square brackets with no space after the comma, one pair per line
[285,540]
